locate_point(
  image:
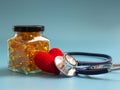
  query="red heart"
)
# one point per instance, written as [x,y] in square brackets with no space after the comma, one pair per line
[45,61]
[56,52]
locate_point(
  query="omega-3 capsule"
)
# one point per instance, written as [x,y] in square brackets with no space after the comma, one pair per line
[28,40]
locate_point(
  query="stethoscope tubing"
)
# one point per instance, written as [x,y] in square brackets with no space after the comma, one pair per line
[107,58]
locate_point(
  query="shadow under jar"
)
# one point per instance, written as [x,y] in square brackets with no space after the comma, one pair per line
[27,41]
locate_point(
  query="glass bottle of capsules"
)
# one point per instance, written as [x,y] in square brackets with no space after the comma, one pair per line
[27,41]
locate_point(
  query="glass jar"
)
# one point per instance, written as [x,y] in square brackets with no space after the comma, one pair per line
[28,40]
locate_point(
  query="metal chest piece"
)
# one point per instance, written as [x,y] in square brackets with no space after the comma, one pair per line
[66,64]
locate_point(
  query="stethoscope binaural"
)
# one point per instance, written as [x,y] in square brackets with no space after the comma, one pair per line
[69,66]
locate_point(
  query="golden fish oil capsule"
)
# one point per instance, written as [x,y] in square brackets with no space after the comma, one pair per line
[27,41]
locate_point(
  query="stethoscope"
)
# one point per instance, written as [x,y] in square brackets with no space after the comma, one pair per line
[69,66]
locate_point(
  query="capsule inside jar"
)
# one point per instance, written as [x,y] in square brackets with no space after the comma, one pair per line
[27,41]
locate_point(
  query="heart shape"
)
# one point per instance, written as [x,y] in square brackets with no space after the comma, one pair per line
[56,52]
[45,60]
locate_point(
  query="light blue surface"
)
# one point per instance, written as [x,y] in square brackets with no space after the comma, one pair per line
[71,25]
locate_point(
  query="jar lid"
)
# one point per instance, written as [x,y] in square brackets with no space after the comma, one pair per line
[28,28]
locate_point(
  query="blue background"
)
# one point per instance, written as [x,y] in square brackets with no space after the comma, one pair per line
[71,25]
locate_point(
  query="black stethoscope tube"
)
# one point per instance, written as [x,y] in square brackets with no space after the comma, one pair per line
[108,59]
[92,71]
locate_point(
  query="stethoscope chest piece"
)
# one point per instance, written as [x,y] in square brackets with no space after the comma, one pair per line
[64,66]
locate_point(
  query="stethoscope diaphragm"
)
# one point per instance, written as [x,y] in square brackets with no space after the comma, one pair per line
[64,66]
